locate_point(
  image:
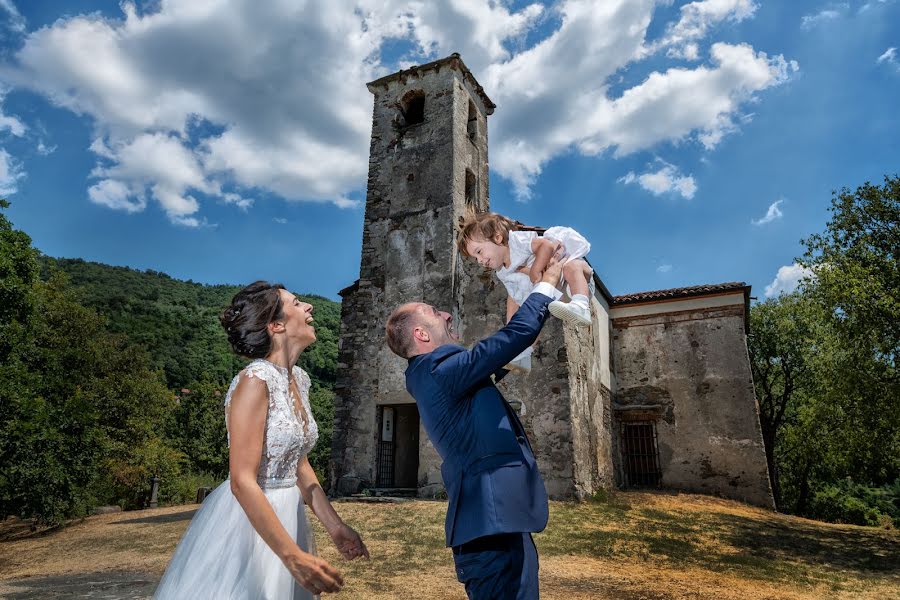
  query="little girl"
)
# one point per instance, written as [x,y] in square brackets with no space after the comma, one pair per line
[520,257]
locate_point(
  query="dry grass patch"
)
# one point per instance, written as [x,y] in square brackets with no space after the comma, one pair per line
[632,546]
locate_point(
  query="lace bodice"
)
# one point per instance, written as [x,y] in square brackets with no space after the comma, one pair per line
[286,440]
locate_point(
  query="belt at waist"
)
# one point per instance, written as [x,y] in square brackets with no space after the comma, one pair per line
[274,483]
[500,541]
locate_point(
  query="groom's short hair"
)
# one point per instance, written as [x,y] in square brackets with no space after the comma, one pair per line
[398,330]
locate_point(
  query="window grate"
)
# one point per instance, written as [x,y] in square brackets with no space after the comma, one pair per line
[640,453]
[385,471]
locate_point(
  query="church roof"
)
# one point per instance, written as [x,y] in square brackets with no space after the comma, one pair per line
[455,62]
[682,292]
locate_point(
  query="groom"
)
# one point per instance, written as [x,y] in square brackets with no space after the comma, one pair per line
[497,497]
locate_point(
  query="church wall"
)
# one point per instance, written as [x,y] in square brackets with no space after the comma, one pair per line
[686,362]
[588,358]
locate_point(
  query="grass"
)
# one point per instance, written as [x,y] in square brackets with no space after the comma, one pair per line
[628,545]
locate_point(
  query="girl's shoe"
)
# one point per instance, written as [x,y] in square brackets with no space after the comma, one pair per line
[571,313]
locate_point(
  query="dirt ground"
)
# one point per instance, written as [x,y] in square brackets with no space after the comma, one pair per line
[635,546]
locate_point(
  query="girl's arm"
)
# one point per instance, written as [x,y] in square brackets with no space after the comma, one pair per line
[247,424]
[543,249]
[348,542]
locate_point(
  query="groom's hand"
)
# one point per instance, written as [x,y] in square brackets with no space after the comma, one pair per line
[553,272]
[348,542]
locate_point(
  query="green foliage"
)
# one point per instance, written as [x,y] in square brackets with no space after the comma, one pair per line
[856,504]
[80,414]
[83,411]
[18,272]
[178,321]
[321,401]
[781,342]
[183,489]
[825,365]
[196,427]
[857,269]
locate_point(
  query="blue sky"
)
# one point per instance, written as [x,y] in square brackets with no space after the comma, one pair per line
[223,142]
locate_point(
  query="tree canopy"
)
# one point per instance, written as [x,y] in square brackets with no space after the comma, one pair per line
[824,364]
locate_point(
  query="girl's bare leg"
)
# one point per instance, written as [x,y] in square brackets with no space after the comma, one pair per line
[577,273]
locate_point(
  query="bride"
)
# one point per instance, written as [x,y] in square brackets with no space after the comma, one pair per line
[251,538]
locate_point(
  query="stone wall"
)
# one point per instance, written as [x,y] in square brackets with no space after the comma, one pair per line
[590,409]
[686,362]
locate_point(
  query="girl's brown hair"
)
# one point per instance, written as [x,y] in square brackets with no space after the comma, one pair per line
[483,226]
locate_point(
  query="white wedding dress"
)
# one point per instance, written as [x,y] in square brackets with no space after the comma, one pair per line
[221,557]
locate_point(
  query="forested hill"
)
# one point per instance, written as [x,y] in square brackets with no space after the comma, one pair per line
[177,321]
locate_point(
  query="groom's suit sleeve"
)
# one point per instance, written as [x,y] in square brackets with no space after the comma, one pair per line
[462,370]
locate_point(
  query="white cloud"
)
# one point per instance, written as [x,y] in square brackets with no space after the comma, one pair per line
[222,110]
[830,13]
[664,180]
[280,220]
[8,122]
[663,268]
[787,280]
[697,18]
[889,57]
[537,122]
[869,5]
[10,174]
[15,21]
[773,214]
[115,194]
[45,150]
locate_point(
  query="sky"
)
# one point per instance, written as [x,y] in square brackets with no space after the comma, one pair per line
[227,141]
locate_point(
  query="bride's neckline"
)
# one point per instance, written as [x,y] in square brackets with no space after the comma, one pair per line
[302,420]
[277,366]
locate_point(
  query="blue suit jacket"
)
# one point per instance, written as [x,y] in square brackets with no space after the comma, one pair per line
[489,470]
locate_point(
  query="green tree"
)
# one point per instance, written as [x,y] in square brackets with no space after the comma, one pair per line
[18,273]
[321,401]
[81,410]
[857,271]
[197,428]
[825,366]
[780,342]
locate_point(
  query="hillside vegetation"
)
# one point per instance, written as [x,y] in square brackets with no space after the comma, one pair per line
[110,377]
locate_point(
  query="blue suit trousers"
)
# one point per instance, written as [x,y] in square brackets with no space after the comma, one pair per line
[498,567]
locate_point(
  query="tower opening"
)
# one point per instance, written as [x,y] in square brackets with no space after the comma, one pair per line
[472,124]
[412,108]
[471,190]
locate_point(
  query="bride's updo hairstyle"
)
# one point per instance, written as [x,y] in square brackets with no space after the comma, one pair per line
[247,319]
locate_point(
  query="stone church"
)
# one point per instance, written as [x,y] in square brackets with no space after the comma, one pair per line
[657,392]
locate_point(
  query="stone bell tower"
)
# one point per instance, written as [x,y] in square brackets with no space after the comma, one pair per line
[427,167]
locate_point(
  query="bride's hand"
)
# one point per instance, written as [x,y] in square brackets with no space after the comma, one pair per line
[348,542]
[313,573]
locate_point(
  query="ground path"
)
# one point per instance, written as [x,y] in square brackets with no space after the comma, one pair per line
[634,546]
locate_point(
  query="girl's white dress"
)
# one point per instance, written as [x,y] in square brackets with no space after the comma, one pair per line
[221,556]
[518,285]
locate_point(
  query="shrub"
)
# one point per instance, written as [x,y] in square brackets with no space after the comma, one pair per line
[857,504]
